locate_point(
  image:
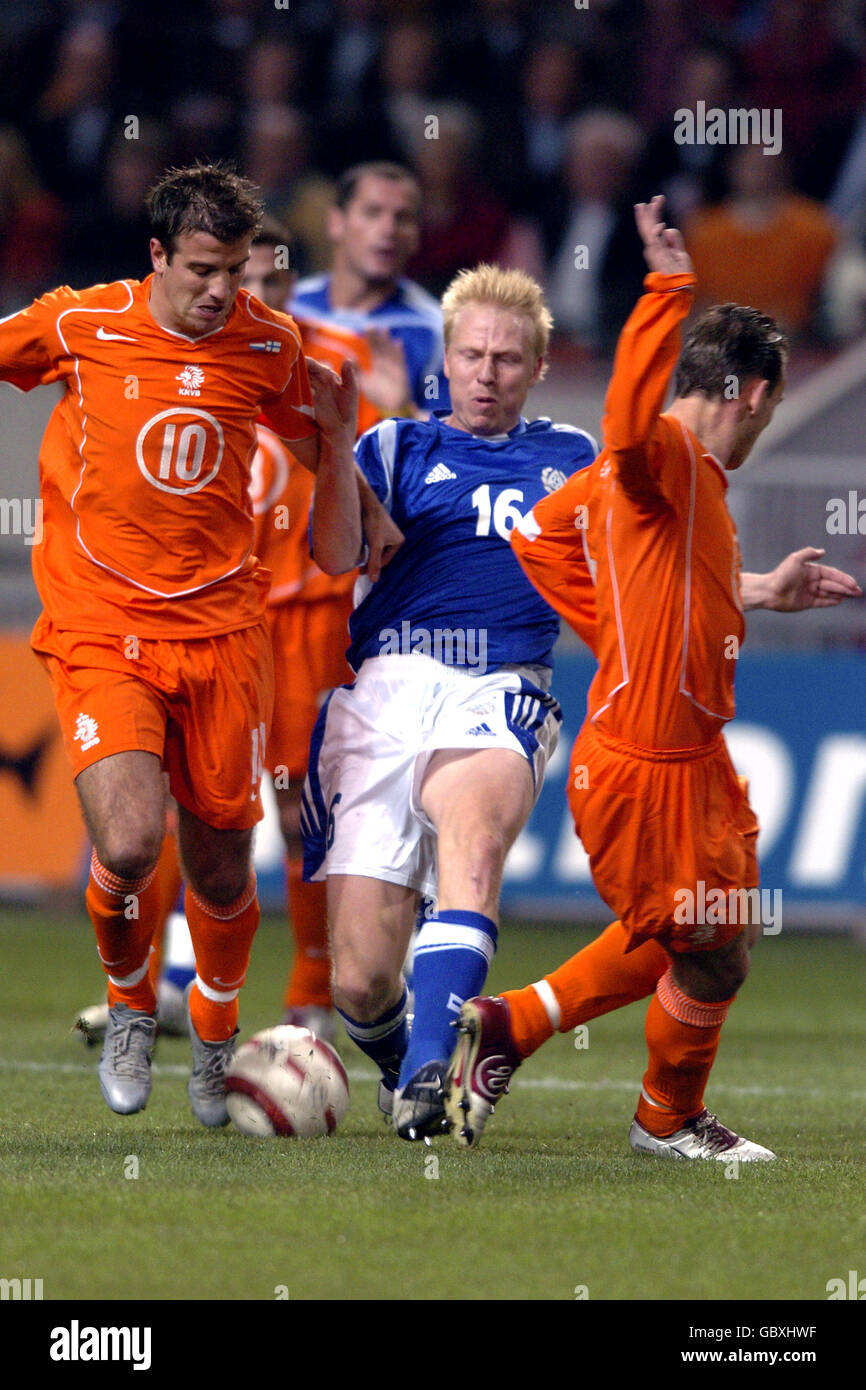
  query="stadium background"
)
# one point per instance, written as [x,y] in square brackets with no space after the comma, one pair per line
[516,119]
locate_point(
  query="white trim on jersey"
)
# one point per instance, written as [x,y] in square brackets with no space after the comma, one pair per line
[687,605]
[386,438]
[614,585]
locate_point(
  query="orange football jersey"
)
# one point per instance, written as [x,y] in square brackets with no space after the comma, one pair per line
[669,620]
[145,464]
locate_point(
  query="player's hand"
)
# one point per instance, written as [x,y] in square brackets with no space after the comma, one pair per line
[663,247]
[799,582]
[387,383]
[381,532]
[335,398]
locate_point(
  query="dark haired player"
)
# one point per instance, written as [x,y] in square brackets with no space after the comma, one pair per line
[373,228]
[654,796]
[153,630]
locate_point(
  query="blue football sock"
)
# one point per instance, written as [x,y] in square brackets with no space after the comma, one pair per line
[385,1039]
[452,956]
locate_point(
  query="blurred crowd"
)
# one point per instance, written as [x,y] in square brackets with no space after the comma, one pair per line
[531,128]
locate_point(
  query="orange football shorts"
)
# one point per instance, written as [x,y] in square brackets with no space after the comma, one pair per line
[671,839]
[203,707]
[309,641]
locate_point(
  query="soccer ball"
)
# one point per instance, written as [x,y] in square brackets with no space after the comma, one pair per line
[286,1081]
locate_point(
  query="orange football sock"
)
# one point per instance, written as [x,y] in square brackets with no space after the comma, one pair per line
[309,981]
[124,913]
[222,937]
[167,887]
[598,979]
[682,1036]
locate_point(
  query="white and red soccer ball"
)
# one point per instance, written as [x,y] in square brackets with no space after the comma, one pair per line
[285,1081]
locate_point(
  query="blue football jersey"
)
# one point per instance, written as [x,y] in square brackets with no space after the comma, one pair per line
[456,497]
[411,314]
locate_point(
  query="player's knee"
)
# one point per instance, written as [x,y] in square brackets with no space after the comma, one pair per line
[221,883]
[363,996]
[716,975]
[129,853]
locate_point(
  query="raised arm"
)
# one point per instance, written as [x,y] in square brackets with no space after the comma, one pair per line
[647,350]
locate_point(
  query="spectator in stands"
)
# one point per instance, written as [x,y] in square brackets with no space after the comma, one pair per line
[690,175]
[764,245]
[462,221]
[109,239]
[596,270]
[31,226]
[276,156]
[76,112]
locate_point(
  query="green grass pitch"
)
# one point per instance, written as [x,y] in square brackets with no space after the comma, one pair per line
[552,1206]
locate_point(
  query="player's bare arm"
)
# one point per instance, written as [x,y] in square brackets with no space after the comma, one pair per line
[336,527]
[382,535]
[798,582]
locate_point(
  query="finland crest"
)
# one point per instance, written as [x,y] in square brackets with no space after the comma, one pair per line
[552,478]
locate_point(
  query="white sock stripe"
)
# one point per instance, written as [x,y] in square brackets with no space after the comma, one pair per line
[216,996]
[372,1032]
[110,883]
[438,936]
[550,1002]
[128,981]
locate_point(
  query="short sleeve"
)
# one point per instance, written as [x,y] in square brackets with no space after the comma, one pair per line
[30,345]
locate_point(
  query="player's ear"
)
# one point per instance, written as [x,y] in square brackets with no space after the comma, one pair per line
[158,255]
[756,391]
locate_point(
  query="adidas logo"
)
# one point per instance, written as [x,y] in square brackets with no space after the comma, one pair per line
[439,474]
[479,729]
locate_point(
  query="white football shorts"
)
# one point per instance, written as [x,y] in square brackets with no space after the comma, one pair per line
[369,752]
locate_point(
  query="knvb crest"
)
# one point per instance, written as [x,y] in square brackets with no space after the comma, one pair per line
[191,381]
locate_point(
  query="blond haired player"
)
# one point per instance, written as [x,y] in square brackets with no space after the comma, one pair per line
[426,769]
[153,630]
[654,796]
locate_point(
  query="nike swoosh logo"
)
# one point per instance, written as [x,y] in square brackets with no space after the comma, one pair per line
[107,337]
[228,984]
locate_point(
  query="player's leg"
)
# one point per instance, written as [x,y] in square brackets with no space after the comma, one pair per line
[497,1034]
[478,803]
[215,754]
[222,910]
[683,1029]
[371,924]
[123,803]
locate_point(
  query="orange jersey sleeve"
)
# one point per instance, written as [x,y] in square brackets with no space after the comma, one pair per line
[282,493]
[145,464]
[552,545]
[669,617]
